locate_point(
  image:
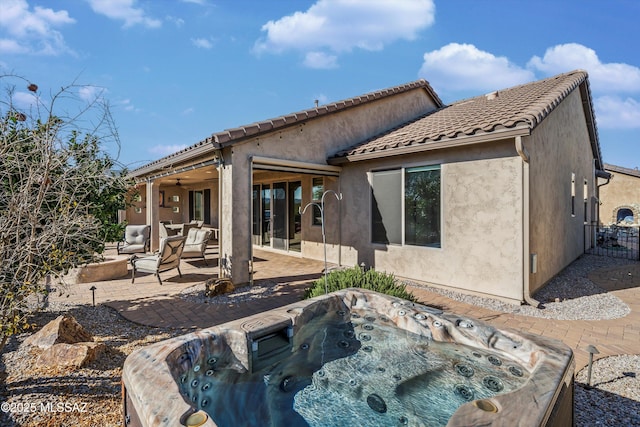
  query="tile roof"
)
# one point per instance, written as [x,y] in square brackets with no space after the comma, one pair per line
[230,136]
[620,169]
[510,112]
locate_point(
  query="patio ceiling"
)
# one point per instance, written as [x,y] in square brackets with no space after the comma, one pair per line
[189,177]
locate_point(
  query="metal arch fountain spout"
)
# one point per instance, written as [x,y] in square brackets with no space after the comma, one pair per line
[324,238]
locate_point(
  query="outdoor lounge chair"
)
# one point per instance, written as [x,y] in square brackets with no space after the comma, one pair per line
[136,239]
[167,258]
[196,244]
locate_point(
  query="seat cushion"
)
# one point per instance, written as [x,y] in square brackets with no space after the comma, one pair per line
[148,264]
[136,234]
[196,236]
[132,249]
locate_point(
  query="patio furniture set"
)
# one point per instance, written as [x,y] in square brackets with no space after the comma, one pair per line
[177,241]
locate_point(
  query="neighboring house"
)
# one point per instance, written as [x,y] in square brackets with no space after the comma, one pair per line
[620,196]
[484,195]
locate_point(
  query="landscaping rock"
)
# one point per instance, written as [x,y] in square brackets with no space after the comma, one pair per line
[71,355]
[215,287]
[64,329]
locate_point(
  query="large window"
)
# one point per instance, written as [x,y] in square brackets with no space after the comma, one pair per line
[405,206]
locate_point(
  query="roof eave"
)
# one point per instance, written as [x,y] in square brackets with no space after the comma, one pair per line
[179,158]
[441,144]
[587,106]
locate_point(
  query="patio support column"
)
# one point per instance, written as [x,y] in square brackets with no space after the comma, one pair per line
[235,218]
[153,212]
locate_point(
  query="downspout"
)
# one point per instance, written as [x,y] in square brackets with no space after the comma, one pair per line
[339,224]
[220,232]
[526,291]
[605,175]
[251,213]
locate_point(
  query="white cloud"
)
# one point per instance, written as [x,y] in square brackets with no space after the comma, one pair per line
[24,100]
[202,43]
[179,22]
[127,105]
[320,60]
[613,112]
[165,150]
[32,31]
[604,77]
[459,67]
[9,46]
[124,10]
[91,93]
[339,26]
[188,111]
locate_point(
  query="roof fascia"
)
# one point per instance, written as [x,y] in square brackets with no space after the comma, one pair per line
[237,135]
[160,166]
[439,145]
[587,106]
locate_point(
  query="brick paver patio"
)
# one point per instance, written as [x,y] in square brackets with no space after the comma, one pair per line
[148,303]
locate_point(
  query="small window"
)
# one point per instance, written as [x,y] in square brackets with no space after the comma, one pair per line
[317,190]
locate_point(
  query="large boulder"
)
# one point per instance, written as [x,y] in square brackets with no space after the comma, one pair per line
[65,343]
[71,355]
[64,329]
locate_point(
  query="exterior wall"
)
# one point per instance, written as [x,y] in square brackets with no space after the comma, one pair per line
[482,238]
[165,210]
[622,191]
[558,147]
[312,141]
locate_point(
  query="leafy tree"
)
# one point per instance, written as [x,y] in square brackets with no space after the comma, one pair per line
[58,192]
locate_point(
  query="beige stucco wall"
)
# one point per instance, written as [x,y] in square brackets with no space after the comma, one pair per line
[481,249]
[622,190]
[558,147]
[312,141]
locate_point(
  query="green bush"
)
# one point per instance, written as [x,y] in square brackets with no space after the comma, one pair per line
[355,277]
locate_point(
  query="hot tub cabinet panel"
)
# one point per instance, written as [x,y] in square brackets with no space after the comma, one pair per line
[353,356]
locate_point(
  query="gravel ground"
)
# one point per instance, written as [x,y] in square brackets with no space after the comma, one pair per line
[263,289]
[91,396]
[614,398]
[568,296]
[64,397]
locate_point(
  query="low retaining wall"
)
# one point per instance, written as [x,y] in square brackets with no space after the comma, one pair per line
[114,267]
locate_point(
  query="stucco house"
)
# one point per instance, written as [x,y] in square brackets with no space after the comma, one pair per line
[620,196]
[488,195]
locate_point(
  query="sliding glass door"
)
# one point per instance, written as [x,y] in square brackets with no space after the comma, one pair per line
[276,219]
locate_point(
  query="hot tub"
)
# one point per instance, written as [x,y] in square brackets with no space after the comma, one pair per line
[351,358]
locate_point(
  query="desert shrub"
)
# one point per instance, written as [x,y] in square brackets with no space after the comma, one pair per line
[356,277]
[59,192]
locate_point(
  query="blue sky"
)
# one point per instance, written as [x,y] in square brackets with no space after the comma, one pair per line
[176,71]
